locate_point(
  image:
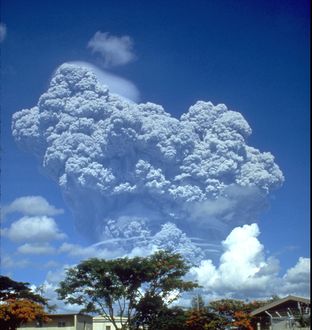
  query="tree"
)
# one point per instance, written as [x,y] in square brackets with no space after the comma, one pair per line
[10,289]
[237,312]
[203,319]
[170,319]
[227,307]
[15,312]
[242,320]
[136,289]
[18,304]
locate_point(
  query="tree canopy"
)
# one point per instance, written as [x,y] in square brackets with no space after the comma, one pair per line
[236,312]
[15,312]
[10,289]
[18,304]
[136,289]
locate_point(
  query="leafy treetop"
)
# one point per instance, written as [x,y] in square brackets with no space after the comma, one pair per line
[18,304]
[136,289]
[10,289]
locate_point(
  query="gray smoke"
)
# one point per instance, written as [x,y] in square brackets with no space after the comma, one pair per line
[127,169]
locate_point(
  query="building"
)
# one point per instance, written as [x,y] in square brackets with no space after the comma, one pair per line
[72,321]
[101,323]
[286,313]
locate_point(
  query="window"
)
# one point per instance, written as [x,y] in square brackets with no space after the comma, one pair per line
[61,324]
[108,327]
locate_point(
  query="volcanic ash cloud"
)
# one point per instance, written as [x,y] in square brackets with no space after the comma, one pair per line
[127,169]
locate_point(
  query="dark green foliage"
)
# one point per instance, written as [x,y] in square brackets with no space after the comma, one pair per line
[18,304]
[170,319]
[148,310]
[10,289]
[227,307]
[203,319]
[136,289]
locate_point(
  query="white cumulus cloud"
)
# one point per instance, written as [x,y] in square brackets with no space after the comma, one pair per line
[76,250]
[34,229]
[39,249]
[49,286]
[114,50]
[297,278]
[31,205]
[7,262]
[244,270]
[48,291]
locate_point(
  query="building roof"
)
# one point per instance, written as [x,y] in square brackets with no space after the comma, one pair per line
[101,318]
[68,314]
[278,302]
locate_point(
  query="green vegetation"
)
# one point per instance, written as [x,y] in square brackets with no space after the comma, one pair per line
[18,304]
[132,293]
[137,289]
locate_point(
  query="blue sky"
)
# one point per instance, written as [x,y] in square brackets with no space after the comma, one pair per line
[251,56]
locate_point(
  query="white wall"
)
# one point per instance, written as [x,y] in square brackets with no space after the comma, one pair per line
[72,322]
[99,323]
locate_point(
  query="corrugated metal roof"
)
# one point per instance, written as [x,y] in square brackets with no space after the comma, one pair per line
[278,302]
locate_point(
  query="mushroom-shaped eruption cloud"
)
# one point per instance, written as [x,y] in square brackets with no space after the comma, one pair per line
[126,169]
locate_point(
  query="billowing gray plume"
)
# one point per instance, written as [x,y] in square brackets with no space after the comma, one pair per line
[127,169]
